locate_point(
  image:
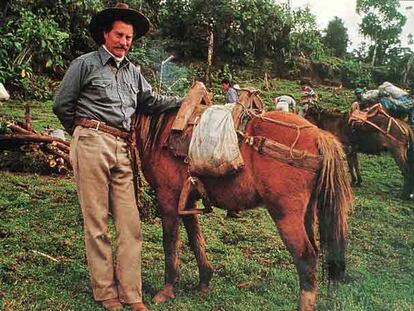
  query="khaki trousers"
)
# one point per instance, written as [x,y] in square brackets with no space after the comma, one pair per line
[104,178]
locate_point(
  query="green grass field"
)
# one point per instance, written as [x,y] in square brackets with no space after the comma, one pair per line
[39,215]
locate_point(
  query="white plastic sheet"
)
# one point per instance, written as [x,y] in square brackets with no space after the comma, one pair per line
[4,95]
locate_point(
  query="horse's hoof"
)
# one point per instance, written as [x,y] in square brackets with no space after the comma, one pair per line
[164,294]
[307,300]
[203,288]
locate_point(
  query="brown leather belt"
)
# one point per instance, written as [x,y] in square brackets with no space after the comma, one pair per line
[101,126]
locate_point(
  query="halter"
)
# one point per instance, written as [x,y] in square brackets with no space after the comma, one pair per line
[362,117]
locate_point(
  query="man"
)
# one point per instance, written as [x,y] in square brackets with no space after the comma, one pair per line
[308,96]
[96,99]
[358,94]
[285,103]
[230,92]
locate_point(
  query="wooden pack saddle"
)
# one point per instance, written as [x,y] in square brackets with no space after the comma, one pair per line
[194,104]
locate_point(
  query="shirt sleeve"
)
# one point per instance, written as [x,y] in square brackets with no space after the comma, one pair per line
[231,96]
[150,103]
[66,98]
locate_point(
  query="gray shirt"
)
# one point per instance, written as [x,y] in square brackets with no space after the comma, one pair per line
[231,96]
[94,87]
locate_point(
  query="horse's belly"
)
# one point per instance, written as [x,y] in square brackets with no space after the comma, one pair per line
[232,192]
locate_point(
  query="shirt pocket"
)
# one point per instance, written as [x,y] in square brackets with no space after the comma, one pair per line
[103,90]
[129,92]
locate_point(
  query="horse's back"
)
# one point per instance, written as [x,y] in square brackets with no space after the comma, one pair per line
[288,129]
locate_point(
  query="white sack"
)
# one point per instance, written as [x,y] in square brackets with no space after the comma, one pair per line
[388,88]
[214,148]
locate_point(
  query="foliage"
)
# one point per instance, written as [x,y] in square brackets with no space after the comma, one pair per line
[39,38]
[29,44]
[382,23]
[246,32]
[336,37]
[305,40]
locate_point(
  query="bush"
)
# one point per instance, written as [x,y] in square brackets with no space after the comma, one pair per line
[30,44]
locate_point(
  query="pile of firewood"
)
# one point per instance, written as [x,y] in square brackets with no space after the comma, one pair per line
[21,136]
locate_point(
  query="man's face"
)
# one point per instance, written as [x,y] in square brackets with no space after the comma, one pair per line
[118,41]
[225,86]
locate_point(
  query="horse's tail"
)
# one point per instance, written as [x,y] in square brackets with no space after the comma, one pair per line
[332,198]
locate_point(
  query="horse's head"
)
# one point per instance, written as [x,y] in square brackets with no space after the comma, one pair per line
[312,112]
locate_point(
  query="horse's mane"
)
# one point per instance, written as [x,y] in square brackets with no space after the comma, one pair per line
[148,128]
[330,112]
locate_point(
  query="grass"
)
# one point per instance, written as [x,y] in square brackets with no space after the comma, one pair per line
[253,270]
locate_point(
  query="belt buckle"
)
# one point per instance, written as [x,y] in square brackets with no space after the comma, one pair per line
[97,125]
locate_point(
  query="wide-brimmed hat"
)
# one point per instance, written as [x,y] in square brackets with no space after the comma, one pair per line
[120,11]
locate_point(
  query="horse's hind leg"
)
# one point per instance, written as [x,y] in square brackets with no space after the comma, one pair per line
[289,218]
[170,236]
[197,244]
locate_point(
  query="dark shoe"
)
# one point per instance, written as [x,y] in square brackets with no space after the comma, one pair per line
[233,214]
[112,304]
[138,306]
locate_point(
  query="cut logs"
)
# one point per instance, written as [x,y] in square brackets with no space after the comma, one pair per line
[25,139]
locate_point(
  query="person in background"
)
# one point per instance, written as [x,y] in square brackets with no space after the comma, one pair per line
[358,96]
[308,95]
[285,103]
[229,91]
[232,97]
[96,99]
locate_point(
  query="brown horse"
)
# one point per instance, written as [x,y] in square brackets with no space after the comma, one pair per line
[372,132]
[298,196]
[337,123]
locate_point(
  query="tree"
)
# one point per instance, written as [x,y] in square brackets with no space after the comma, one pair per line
[336,37]
[382,23]
[305,39]
[245,31]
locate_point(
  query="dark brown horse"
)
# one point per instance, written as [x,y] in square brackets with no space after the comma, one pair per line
[337,123]
[372,132]
[299,196]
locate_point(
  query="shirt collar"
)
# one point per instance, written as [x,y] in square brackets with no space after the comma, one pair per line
[105,56]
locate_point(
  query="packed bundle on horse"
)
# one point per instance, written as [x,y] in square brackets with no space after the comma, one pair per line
[214,147]
[371,96]
[394,99]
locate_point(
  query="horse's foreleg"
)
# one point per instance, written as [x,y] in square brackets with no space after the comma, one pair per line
[290,223]
[353,165]
[197,244]
[170,236]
